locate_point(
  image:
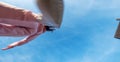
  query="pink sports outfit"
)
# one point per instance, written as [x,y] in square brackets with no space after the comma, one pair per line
[19,22]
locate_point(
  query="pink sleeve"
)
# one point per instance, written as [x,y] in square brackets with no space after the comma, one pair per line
[27,24]
[41,29]
[18,22]
[18,17]
[10,30]
[12,12]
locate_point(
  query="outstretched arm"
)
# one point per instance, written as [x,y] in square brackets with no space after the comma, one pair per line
[21,42]
[41,29]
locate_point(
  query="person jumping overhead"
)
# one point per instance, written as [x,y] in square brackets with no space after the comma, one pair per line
[17,22]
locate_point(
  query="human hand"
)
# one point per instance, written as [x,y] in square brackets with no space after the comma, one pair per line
[11,46]
[14,44]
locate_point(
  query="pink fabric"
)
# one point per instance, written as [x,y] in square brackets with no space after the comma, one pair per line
[19,22]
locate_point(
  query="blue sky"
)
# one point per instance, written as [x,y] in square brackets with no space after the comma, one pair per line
[86,35]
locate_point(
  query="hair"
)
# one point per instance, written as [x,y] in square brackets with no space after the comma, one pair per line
[50,28]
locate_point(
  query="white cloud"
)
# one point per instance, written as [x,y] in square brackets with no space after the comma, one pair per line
[106,4]
[83,7]
[103,45]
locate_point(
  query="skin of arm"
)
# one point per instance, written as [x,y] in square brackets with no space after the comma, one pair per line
[21,42]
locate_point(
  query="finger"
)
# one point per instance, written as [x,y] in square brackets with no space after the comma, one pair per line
[14,45]
[9,47]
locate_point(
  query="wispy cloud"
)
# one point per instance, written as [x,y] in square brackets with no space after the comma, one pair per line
[105,4]
[79,7]
[103,45]
[15,58]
